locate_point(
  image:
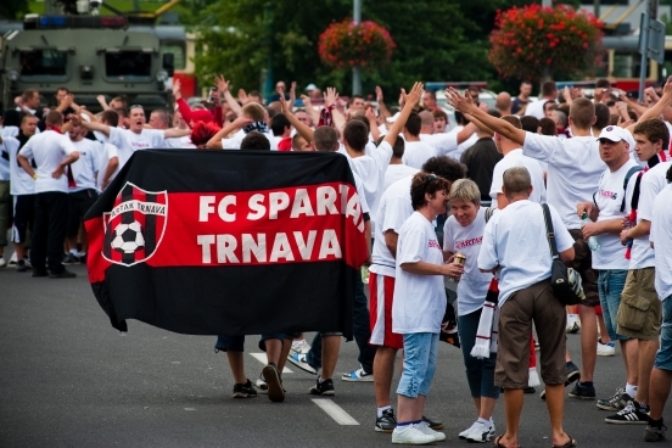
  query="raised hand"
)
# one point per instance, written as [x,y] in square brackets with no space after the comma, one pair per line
[330,97]
[177,89]
[413,97]
[222,84]
[379,94]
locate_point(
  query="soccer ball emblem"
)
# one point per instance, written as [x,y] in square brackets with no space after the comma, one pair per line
[128,237]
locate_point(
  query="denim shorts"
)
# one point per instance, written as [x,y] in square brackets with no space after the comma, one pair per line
[610,283]
[664,354]
[420,351]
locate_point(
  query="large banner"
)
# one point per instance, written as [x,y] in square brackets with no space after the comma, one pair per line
[228,242]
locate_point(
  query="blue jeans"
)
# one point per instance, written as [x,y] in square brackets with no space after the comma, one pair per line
[610,284]
[360,329]
[420,351]
[664,354]
[480,372]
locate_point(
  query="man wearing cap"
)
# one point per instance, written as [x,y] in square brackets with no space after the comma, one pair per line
[606,213]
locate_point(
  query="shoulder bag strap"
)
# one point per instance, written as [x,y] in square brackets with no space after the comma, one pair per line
[550,235]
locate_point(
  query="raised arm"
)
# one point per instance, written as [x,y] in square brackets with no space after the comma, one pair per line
[223,88]
[303,129]
[465,105]
[411,100]
[656,109]
[95,126]
[216,141]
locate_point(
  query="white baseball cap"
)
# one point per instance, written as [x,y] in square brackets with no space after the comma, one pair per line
[614,134]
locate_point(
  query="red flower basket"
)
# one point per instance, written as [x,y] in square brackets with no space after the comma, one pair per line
[531,41]
[346,45]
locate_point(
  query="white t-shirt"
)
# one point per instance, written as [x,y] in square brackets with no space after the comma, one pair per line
[183,142]
[661,236]
[444,143]
[609,198]
[515,158]
[473,285]
[398,171]
[515,239]
[419,301]
[536,108]
[371,171]
[109,151]
[653,182]
[145,139]
[20,182]
[417,153]
[86,168]
[574,170]
[48,149]
[393,210]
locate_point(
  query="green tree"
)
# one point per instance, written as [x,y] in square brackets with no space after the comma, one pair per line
[436,41]
[13,9]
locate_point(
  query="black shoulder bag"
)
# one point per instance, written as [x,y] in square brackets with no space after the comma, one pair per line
[566,282]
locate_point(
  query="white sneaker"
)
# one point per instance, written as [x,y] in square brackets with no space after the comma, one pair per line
[410,435]
[480,432]
[357,376]
[3,263]
[573,323]
[424,427]
[605,349]
[463,435]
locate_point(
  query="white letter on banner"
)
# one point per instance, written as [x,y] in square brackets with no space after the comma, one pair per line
[256,204]
[330,245]
[301,204]
[224,204]
[252,247]
[206,242]
[226,245]
[205,208]
[281,248]
[326,198]
[277,202]
[305,247]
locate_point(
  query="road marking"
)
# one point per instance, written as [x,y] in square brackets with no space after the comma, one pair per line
[336,412]
[261,357]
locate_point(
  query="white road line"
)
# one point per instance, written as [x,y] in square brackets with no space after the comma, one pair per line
[261,357]
[335,412]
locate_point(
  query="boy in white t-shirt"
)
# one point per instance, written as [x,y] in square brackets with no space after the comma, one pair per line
[418,306]
[463,233]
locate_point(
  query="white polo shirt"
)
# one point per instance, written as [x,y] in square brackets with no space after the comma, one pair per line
[20,183]
[515,239]
[48,149]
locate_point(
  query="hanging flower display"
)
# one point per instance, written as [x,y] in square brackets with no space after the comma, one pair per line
[531,41]
[346,45]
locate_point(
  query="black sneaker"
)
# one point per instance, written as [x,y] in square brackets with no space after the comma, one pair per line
[22,266]
[386,422]
[63,274]
[614,403]
[572,373]
[433,424]
[275,391]
[530,390]
[40,273]
[583,391]
[325,388]
[631,414]
[244,390]
[655,433]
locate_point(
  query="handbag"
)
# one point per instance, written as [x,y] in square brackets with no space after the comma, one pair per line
[565,281]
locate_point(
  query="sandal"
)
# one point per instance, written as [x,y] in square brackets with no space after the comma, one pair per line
[498,443]
[569,444]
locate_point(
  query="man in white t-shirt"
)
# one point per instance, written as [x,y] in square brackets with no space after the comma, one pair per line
[513,156]
[416,151]
[661,376]
[606,213]
[548,93]
[397,169]
[53,153]
[515,244]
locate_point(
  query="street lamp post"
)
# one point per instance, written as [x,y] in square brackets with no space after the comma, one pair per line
[357,18]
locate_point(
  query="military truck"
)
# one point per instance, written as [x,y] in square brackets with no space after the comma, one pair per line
[88,54]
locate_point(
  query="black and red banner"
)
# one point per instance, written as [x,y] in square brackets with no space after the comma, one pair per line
[228,242]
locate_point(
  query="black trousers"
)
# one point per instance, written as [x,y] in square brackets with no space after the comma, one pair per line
[51,218]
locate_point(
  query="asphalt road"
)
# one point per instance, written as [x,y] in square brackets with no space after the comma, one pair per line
[68,379]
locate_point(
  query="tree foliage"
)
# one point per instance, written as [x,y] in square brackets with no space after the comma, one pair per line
[13,9]
[436,41]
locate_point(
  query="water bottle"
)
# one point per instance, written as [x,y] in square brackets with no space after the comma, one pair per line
[593,243]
